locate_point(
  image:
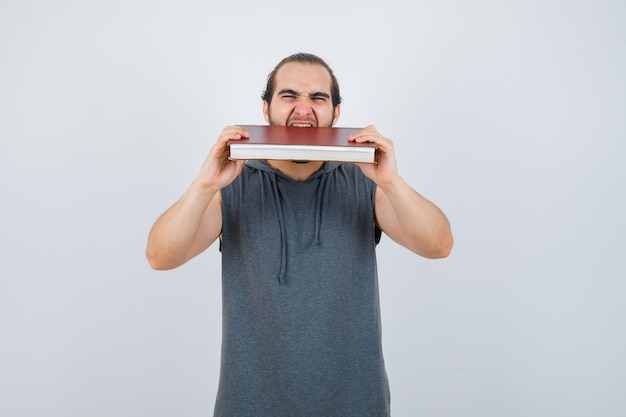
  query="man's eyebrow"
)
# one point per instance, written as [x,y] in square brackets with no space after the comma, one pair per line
[295,93]
[320,94]
[287,91]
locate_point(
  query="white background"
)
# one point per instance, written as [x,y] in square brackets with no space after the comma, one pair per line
[508,115]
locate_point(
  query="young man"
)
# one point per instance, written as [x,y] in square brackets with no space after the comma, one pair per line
[301,321]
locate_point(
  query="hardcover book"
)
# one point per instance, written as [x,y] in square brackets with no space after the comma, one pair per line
[301,143]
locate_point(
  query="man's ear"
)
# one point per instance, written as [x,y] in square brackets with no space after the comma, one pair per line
[266,111]
[337,112]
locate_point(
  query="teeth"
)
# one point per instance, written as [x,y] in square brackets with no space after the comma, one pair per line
[301,125]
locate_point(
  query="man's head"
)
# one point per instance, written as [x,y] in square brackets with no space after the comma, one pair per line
[303,91]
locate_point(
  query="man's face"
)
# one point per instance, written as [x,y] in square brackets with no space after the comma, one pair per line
[302,97]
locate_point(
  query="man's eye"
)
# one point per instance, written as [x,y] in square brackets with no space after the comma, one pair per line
[288,97]
[320,99]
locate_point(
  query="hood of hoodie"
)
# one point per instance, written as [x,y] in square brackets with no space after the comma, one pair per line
[265,166]
[272,174]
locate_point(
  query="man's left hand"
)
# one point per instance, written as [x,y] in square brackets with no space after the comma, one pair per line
[385,170]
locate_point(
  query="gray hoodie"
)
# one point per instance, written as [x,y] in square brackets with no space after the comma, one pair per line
[301,314]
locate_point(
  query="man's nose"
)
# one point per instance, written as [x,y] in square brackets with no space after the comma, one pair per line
[303,105]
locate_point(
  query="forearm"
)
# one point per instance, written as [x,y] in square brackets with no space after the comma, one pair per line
[420,225]
[173,239]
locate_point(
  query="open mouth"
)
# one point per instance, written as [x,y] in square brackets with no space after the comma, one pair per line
[301,125]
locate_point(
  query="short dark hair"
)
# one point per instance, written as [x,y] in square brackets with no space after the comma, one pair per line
[302,58]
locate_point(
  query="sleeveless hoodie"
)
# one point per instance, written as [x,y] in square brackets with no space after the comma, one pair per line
[301,315]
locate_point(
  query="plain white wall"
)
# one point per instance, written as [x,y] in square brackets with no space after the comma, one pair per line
[508,115]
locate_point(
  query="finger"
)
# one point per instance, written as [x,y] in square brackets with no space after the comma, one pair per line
[370,137]
[233,133]
[363,134]
[242,131]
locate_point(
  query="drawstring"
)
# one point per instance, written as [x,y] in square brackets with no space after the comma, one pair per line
[318,210]
[283,238]
[321,190]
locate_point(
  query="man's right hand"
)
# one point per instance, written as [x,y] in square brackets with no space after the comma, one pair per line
[194,222]
[217,170]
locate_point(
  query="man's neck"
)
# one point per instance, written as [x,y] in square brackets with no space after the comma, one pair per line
[296,170]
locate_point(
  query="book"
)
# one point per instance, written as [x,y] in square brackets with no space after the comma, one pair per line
[301,143]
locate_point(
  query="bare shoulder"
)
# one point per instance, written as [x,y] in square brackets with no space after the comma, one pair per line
[210,226]
[383,211]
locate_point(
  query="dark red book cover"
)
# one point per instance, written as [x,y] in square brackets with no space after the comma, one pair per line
[312,136]
[309,143]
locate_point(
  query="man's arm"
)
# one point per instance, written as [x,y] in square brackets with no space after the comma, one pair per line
[194,222]
[412,221]
[186,229]
[402,213]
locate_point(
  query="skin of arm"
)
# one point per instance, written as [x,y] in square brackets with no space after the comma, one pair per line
[403,214]
[194,222]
